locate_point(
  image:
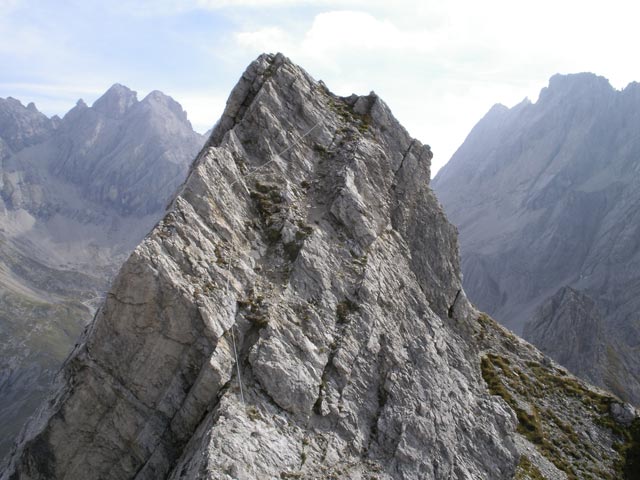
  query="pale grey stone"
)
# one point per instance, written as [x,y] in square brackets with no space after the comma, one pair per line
[349,366]
[227,349]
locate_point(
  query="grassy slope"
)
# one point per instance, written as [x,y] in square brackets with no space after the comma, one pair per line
[566,421]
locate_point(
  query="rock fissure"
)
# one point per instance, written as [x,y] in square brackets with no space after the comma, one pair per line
[453,304]
[124,302]
[404,156]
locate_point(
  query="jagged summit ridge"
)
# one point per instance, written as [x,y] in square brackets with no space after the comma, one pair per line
[116,101]
[21,126]
[343,298]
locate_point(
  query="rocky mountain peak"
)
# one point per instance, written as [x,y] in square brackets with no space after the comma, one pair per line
[541,197]
[119,134]
[576,86]
[75,114]
[116,101]
[160,103]
[22,126]
[305,239]
[297,313]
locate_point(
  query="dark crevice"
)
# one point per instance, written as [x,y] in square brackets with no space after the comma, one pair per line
[382,395]
[404,156]
[453,305]
[123,302]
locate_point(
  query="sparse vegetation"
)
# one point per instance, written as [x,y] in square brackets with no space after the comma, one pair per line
[254,309]
[268,200]
[304,231]
[555,438]
[344,309]
[346,112]
[321,149]
[527,470]
[253,413]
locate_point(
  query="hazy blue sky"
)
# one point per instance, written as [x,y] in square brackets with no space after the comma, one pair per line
[439,65]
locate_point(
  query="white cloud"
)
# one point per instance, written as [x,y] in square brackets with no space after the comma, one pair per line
[442,65]
[439,65]
[339,31]
[273,37]
[202,108]
[7,6]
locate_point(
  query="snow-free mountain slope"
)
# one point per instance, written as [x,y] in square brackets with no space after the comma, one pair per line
[298,313]
[547,196]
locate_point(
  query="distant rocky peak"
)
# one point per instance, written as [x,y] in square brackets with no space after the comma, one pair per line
[157,99]
[116,101]
[497,109]
[22,126]
[575,85]
[77,112]
[632,92]
[14,105]
[14,102]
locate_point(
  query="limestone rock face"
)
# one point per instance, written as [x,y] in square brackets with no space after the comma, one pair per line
[297,313]
[307,244]
[544,196]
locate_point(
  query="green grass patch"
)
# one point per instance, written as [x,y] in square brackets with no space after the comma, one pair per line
[527,470]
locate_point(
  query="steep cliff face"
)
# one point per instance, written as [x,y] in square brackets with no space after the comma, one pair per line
[545,196]
[570,329]
[76,196]
[297,313]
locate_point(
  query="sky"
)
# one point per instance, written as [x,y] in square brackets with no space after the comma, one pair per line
[440,66]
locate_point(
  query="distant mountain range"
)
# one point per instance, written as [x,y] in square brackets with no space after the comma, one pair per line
[546,197]
[76,195]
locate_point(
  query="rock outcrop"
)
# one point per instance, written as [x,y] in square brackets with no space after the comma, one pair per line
[569,328]
[76,196]
[545,196]
[298,313]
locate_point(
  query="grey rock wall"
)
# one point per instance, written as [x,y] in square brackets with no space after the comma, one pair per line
[298,313]
[307,236]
